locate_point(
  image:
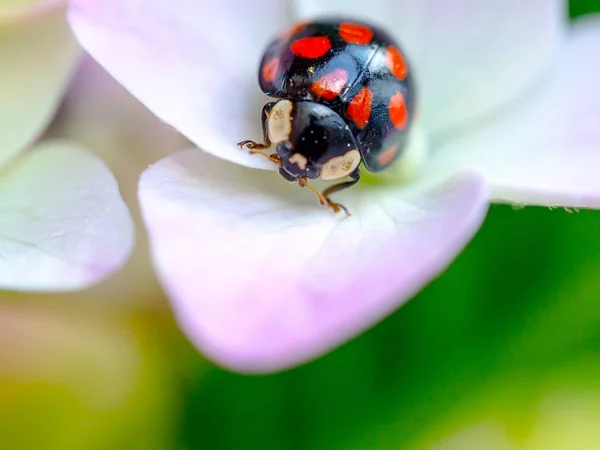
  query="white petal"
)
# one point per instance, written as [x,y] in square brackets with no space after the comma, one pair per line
[38,53]
[193,63]
[262,278]
[546,151]
[469,56]
[63,224]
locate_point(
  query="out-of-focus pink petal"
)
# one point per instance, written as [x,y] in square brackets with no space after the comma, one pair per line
[469,56]
[546,151]
[37,56]
[101,115]
[63,224]
[193,63]
[262,278]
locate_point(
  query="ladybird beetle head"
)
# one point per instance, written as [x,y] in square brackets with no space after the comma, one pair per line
[279,123]
[312,140]
[296,165]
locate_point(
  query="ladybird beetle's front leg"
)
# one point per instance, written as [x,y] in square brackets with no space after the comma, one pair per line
[355,176]
[274,157]
[257,145]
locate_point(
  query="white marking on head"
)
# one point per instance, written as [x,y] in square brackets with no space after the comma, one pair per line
[340,166]
[279,122]
[299,160]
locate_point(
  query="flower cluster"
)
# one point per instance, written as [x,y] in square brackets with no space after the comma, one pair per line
[259,277]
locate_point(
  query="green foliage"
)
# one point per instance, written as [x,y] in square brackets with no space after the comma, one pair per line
[519,304]
[581,7]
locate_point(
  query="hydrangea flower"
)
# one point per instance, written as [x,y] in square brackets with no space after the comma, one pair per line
[260,277]
[63,224]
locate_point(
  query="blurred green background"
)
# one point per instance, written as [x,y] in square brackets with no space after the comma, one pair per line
[501,352]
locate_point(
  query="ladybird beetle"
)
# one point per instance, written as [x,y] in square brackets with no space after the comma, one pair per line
[346,96]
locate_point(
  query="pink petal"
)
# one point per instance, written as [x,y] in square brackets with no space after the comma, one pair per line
[99,113]
[469,56]
[63,224]
[262,278]
[193,63]
[546,151]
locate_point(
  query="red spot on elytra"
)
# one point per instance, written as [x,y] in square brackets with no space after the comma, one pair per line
[269,69]
[331,85]
[359,109]
[388,155]
[396,62]
[398,111]
[356,34]
[311,47]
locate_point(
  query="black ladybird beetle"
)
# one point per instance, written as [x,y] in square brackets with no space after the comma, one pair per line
[346,97]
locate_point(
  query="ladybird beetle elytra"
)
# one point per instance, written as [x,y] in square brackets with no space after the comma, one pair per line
[398,112]
[269,70]
[354,33]
[311,47]
[359,108]
[345,97]
[330,85]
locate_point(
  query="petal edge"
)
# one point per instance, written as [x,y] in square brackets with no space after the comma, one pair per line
[260,282]
[546,151]
[63,224]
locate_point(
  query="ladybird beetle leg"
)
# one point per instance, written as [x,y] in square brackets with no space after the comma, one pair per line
[256,145]
[274,157]
[303,183]
[338,187]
